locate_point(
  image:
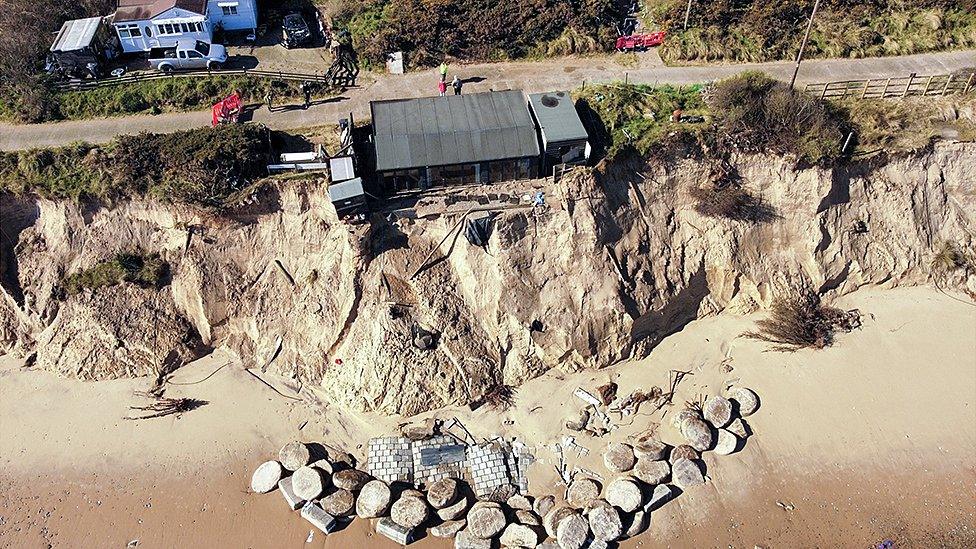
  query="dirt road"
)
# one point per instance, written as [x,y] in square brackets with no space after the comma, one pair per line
[549,75]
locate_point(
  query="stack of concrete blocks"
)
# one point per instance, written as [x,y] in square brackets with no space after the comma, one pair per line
[451,460]
[520,471]
[489,468]
[390,459]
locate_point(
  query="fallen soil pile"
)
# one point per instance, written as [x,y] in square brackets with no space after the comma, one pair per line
[382,319]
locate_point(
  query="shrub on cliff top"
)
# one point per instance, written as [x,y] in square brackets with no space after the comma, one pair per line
[760,114]
[198,166]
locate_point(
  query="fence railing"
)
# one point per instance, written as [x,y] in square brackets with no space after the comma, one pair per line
[905,86]
[79,85]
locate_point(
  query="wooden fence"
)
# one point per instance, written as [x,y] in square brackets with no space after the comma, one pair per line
[78,85]
[906,86]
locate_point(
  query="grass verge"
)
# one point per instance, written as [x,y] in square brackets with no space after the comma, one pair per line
[200,166]
[177,94]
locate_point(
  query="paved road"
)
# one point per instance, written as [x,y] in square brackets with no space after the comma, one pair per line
[557,74]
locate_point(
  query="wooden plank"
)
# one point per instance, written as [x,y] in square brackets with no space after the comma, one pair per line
[946,87]
[908,85]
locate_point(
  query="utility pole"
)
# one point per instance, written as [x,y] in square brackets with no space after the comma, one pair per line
[803,45]
[687,14]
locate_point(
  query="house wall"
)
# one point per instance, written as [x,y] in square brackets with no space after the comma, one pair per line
[245,18]
[564,152]
[495,171]
[163,30]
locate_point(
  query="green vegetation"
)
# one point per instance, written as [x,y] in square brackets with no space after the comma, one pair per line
[147,271]
[200,166]
[751,30]
[153,96]
[802,321]
[759,114]
[750,112]
[429,30]
[638,116]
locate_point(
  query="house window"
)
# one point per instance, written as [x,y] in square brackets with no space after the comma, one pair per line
[169,28]
[128,31]
[229,10]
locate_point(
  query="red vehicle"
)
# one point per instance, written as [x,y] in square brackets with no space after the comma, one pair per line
[227,110]
[640,42]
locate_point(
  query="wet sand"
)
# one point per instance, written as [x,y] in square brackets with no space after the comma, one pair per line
[872,439]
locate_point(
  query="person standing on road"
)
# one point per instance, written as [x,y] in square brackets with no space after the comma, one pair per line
[456,83]
[307,92]
[443,69]
[442,88]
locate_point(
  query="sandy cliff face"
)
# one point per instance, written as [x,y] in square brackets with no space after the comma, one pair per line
[618,260]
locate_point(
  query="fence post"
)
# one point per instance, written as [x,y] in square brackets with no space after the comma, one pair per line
[864,92]
[908,86]
[823,94]
[884,92]
[927,84]
[626,78]
[969,83]
[946,87]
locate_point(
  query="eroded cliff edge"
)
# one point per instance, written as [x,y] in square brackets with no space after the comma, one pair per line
[618,259]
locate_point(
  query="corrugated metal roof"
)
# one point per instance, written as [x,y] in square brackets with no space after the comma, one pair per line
[456,129]
[76,34]
[557,117]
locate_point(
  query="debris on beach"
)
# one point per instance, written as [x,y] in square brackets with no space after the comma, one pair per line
[436,475]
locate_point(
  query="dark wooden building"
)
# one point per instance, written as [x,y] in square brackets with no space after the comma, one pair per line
[458,139]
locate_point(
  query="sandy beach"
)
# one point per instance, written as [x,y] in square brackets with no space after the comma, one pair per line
[871,439]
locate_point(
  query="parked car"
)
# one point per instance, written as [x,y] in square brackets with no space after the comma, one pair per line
[295,31]
[188,54]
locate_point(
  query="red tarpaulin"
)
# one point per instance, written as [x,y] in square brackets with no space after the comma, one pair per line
[227,110]
[640,41]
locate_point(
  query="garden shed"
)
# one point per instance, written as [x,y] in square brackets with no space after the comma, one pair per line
[564,139]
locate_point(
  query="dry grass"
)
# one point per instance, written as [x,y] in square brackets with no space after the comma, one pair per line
[500,397]
[952,257]
[911,123]
[732,202]
[167,406]
[802,321]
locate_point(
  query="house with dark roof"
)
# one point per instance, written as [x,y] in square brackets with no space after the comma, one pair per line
[145,24]
[458,139]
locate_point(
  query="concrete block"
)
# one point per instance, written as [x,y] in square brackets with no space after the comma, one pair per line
[318,517]
[284,486]
[392,530]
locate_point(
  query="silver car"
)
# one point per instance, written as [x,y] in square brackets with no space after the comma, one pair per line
[188,54]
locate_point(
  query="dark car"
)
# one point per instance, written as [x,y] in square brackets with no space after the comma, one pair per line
[295,31]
